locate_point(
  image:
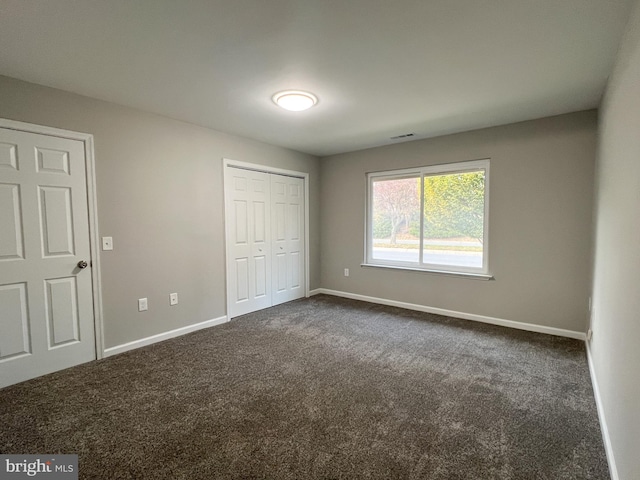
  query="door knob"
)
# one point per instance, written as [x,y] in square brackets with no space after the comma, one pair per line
[82,264]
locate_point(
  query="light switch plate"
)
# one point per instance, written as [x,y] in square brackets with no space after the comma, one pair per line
[173,299]
[143,305]
[107,243]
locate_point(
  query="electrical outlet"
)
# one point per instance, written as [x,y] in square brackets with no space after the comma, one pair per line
[173,299]
[143,305]
[346,272]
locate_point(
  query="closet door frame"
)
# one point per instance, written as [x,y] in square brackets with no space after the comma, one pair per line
[229,163]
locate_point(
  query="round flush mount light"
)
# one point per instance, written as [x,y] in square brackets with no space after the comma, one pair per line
[295,100]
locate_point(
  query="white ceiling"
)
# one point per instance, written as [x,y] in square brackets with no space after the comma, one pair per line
[379,67]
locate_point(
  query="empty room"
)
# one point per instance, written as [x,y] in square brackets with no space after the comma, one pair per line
[320,239]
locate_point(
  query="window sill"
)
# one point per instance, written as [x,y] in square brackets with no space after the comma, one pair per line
[474,276]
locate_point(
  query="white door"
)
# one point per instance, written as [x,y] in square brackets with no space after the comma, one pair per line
[287,227]
[248,236]
[46,300]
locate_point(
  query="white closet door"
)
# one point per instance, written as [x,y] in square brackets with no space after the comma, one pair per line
[46,299]
[248,236]
[287,233]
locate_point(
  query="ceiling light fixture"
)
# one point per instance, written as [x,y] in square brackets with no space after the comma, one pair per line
[295,100]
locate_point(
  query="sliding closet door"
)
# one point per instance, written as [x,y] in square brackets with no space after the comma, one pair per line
[265,234]
[287,234]
[248,237]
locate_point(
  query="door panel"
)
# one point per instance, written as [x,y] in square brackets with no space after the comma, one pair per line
[279,221]
[242,279]
[11,246]
[62,311]
[288,246]
[259,222]
[15,327]
[265,239]
[248,240]
[8,157]
[242,236]
[281,272]
[261,276]
[294,221]
[53,161]
[56,223]
[46,302]
[296,265]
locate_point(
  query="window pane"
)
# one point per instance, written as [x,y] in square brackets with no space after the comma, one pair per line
[454,219]
[396,220]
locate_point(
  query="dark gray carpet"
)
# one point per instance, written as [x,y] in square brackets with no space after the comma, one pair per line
[322,388]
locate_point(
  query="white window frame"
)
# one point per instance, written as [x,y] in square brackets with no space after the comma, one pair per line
[421,172]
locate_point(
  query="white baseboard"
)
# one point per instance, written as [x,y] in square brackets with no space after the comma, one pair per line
[452,313]
[143,342]
[613,470]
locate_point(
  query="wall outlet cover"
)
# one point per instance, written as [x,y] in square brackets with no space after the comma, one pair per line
[107,243]
[143,304]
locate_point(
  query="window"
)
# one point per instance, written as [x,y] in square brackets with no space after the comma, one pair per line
[430,218]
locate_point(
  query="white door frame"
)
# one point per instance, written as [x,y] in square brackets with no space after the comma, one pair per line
[87,139]
[226,163]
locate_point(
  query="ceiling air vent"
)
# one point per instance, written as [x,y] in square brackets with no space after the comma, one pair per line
[404,135]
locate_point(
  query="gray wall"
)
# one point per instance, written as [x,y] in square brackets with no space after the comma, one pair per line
[616,286]
[159,186]
[539,232]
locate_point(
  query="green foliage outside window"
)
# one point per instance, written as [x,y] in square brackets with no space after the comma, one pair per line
[453,207]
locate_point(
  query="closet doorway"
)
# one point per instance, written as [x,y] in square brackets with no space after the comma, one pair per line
[266,230]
